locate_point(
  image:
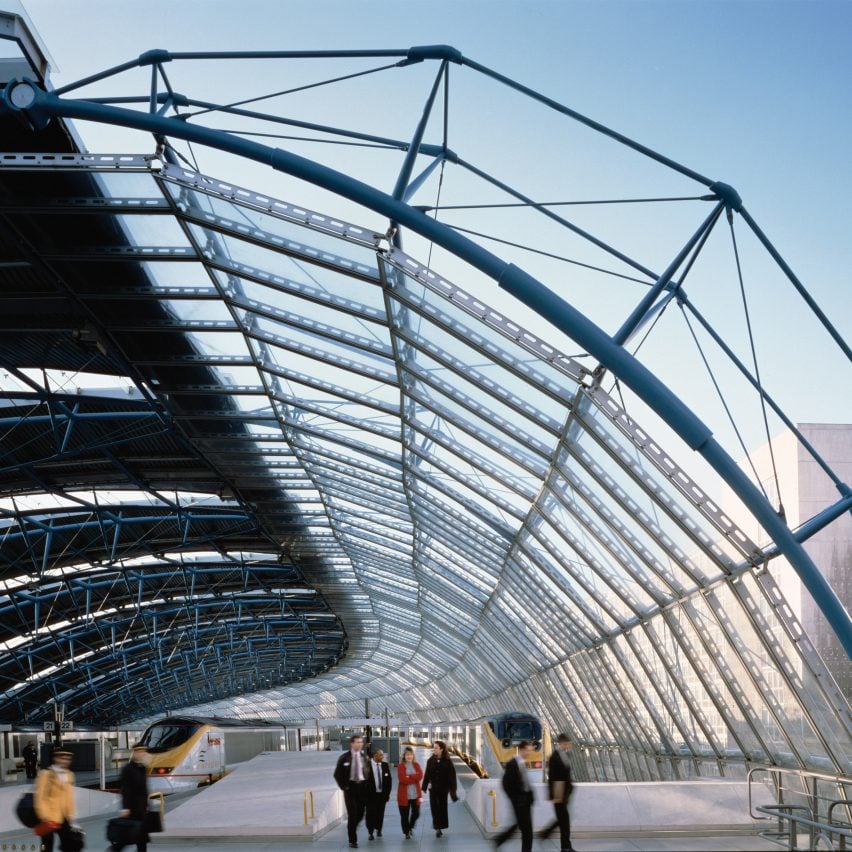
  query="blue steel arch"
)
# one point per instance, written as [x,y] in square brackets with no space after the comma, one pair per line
[35,106]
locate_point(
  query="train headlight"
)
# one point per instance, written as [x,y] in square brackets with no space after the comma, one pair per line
[162,770]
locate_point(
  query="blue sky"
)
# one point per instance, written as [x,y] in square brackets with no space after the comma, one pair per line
[756,94]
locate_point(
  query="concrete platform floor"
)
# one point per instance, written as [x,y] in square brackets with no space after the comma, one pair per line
[463,835]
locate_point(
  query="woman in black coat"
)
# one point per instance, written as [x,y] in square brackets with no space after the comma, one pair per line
[440,780]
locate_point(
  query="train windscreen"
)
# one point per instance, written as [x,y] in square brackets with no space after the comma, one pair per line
[519,729]
[165,735]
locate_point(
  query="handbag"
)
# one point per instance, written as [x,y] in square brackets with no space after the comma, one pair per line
[45,826]
[72,839]
[25,811]
[122,831]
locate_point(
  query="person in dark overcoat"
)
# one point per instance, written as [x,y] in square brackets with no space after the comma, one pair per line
[379,786]
[134,794]
[518,787]
[30,755]
[559,789]
[439,780]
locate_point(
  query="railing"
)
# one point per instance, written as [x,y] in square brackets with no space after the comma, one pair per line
[492,794]
[309,794]
[805,803]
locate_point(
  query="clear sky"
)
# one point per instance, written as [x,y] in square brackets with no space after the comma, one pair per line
[756,94]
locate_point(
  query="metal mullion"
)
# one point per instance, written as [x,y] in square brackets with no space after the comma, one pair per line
[756,675]
[287,320]
[276,244]
[482,412]
[335,462]
[349,443]
[336,391]
[296,289]
[566,590]
[384,544]
[495,444]
[608,720]
[764,630]
[801,640]
[110,254]
[459,536]
[474,510]
[575,452]
[275,209]
[745,547]
[88,205]
[657,642]
[444,565]
[603,693]
[461,526]
[694,656]
[368,522]
[566,565]
[611,544]
[464,371]
[362,425]
[344,364]
[322,473]
[736,689]
[657,720]
[626,752]
[611,582]
[156,292]
[464,479]
[348,492]
[483,315]
[670,711]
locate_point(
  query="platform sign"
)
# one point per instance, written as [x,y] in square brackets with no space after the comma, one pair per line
[50,727]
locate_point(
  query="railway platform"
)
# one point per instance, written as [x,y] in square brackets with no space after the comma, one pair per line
[263,806]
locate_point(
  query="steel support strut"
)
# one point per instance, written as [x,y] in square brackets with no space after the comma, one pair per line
[35,107]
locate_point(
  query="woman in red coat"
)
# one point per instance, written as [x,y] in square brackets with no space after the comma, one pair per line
[408,795]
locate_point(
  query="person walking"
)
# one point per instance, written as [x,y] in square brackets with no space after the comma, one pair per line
[351,775]
[379,786]
[134,794]
[408,793]
[559,789]
[517,786]
[30,755]
[53,798]
[440,780]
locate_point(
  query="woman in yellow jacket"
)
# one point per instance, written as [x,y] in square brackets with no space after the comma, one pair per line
[54,797]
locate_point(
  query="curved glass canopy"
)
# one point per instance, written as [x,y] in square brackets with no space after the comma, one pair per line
[336,473]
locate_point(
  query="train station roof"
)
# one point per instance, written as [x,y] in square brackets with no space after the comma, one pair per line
[266,460]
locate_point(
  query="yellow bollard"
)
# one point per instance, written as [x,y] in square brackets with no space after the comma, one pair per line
[493,795]
[308,793]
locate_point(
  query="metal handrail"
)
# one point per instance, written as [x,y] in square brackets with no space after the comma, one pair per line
[309,794]
[493,796]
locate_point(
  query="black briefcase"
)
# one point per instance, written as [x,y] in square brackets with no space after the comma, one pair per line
[153,821]
[122,831]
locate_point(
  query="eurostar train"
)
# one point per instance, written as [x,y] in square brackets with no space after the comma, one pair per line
[488,744]
[190,752]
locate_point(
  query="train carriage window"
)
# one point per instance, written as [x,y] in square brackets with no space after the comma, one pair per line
[162,737]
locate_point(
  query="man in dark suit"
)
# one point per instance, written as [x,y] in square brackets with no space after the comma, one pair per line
[351,774]
[134,795]
[559,787]
[378,791]
[518,787]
